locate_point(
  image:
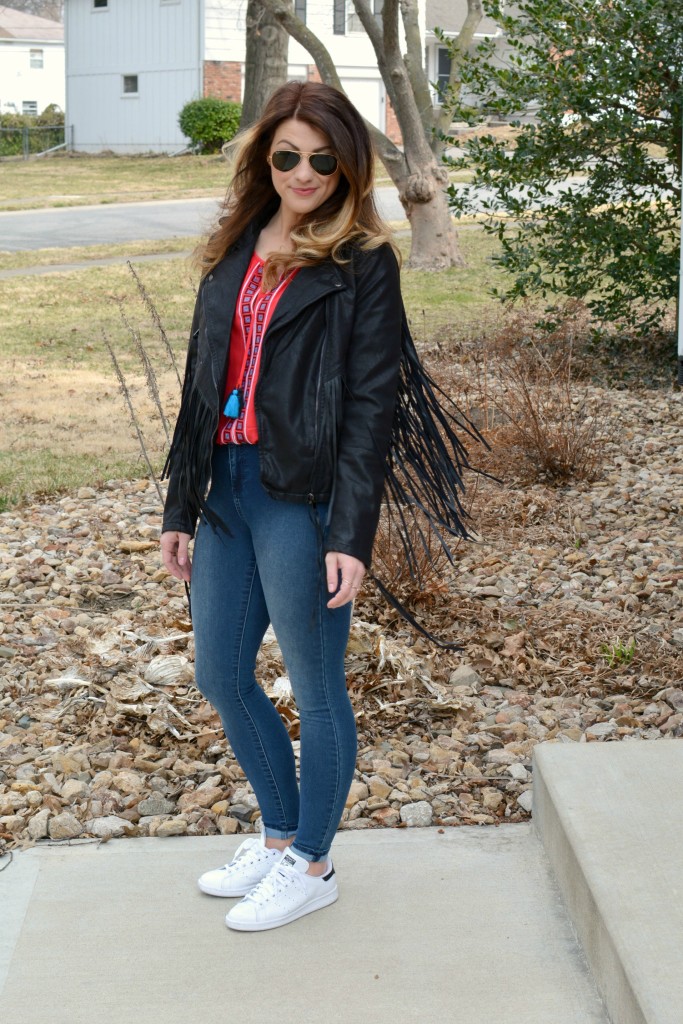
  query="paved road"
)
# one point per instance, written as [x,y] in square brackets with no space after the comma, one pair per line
[126,222]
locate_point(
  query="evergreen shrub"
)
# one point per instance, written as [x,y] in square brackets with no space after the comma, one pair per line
[208,123]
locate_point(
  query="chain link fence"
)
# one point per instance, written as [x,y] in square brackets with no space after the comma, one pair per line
[26,142]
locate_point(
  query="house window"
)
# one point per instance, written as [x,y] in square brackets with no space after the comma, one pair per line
[130,85]
[30,107]
[300,10]
[354,24]
[100,5]
[36,57]
[443,72]
[339,21]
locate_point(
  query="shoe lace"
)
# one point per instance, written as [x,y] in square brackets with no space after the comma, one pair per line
[279,878]
[244,849]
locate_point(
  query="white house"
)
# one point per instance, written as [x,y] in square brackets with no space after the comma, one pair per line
[133,64]
[31,63]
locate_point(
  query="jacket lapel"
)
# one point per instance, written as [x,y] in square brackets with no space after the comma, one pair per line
[308,286]
[221,291]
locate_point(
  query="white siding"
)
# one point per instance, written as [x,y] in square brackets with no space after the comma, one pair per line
[160,43]
[224,29]
[20,82]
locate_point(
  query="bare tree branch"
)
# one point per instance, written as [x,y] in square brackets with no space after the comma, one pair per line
[414,61]
[376,37]
[460,46]
[283,12]
[51,9]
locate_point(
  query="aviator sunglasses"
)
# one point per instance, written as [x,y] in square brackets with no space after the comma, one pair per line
[287,160]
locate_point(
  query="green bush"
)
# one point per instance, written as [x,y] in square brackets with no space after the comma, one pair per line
[43,131]
[209,122]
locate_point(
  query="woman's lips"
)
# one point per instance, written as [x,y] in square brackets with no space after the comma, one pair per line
[303,191]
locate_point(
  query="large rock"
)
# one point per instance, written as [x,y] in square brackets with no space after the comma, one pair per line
[200,798]
[417,815]
[525,800]
[600,730]
[154,805]
[65,826]
[172,827]
[358,791]
[11,802]
[74,789]
[37,826]
[109,826]
[128,782]
[465,675]
[378,787]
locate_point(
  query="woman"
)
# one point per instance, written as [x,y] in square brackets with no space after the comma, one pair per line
[287,408]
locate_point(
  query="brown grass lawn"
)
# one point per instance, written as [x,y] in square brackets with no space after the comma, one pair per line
[78,179]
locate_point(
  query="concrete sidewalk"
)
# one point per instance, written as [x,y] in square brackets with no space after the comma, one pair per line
[463,926]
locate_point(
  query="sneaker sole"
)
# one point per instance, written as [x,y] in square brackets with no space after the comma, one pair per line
[323,900]
[222,892]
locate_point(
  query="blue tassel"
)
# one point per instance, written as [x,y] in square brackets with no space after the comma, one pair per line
[233,406]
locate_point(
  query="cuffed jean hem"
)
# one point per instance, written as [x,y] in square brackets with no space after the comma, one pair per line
[313,858]
[278,833]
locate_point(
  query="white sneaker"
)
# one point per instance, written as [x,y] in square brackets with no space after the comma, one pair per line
[252,862]
[286,893]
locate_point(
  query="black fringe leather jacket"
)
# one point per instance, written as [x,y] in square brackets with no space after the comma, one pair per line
[325,396]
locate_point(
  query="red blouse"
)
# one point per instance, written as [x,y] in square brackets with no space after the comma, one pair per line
[253,313]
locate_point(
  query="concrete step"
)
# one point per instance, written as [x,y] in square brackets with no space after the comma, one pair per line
[461,926]
[610,816]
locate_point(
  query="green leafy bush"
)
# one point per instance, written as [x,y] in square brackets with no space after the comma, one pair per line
[30,133]
[587,201]
[209,122]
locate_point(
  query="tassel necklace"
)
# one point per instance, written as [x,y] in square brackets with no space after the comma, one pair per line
[256,309]
[235,403]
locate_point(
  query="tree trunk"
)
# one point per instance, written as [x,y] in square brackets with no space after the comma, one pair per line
[265,62]
[420,177]
[434,240]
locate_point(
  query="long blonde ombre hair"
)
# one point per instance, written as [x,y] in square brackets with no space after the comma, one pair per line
[349,215]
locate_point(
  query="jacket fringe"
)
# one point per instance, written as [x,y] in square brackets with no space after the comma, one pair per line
[424,465]
[188,464]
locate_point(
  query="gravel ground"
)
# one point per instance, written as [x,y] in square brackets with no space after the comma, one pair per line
[569,608]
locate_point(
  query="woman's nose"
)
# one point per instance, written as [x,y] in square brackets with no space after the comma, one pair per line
[303,170]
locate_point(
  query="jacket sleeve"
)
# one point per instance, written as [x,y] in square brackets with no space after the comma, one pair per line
[177,515]
[371,383]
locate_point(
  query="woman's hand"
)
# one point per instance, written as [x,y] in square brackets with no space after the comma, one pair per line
[352,571]
[175,554]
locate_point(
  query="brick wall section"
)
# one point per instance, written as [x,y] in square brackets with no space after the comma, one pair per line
[392,130]
[223,80]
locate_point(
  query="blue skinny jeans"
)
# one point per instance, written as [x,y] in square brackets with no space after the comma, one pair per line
[269,570]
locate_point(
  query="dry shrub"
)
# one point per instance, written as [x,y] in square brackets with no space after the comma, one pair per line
[520,389]
[430,560]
